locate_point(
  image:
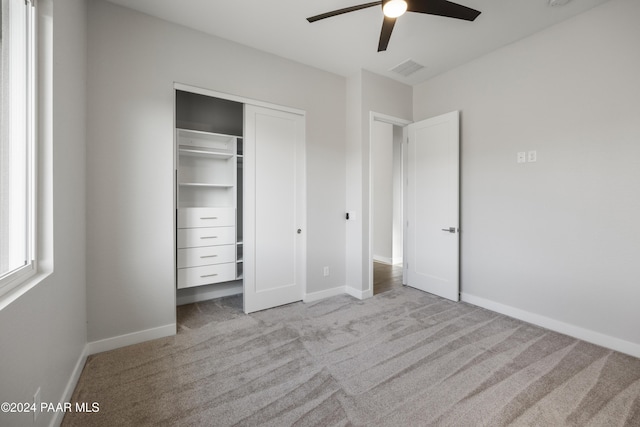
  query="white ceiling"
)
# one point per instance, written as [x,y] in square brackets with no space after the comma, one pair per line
[347,43]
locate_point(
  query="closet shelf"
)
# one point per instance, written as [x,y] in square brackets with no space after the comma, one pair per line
[204,184]
[202,133]
[203,152]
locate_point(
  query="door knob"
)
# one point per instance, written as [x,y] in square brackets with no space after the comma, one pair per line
[299,231]
[450,229]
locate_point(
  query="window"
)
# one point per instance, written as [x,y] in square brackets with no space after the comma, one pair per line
[17,144]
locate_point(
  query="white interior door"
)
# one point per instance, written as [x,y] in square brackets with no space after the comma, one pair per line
[433,206]
[274,215]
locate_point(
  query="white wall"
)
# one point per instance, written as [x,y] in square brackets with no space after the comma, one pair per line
[398,199]
[43,332]
[354,195]
[367,92]
[382,190]
[133,62]
[556,241]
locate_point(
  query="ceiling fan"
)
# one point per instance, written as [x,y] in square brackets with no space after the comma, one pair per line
[392,9]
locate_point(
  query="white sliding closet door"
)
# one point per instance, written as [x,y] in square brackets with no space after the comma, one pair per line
[274,208]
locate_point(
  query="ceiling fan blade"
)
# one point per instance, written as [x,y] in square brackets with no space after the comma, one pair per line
[385,34]
[443,8]
[341,11]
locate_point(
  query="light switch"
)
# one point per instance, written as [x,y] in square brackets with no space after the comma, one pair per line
[522,157]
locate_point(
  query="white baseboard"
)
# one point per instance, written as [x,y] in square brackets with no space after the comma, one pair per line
[56,420]
[204,293]
[588,335]
[316,296]
[382,259]
[106,345]
[130,339]
[368,293]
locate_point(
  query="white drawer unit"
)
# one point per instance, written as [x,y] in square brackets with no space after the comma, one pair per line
[206,217]
[211,236]
[195,257]
[197,276]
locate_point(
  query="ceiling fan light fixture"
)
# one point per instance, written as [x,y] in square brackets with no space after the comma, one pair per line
[394,8]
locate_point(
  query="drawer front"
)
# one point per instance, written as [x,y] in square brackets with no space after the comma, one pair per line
[207,255]
[206,217]
[198,276]
[212,236]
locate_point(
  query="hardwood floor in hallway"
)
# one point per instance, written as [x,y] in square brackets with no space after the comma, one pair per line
[386,277]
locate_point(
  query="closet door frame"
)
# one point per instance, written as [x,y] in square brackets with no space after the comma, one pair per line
[236,98]
[248,101]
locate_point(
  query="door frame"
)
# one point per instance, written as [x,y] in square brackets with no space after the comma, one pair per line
[236,98]
[396,121]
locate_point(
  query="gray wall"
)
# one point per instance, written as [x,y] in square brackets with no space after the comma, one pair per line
[366,92]
[556,241]
[133,62]
[43,332]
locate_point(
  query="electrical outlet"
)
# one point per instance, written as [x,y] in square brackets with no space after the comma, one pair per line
[522,157]
[36,404]
[532,156]
[325,271]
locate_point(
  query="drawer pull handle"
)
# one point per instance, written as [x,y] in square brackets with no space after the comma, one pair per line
[208,256]
[208,217]
[209,237]
[208,275]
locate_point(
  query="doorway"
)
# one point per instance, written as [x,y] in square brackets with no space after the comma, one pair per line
[387,202]
[430,203]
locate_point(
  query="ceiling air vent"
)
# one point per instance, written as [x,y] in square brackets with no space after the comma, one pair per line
[407,68]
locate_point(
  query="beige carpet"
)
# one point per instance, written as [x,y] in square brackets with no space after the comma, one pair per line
[401,358]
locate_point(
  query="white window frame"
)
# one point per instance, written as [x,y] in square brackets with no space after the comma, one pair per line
[13,280]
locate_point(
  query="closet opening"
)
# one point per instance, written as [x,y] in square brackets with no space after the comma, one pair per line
[240,223]
[209,194]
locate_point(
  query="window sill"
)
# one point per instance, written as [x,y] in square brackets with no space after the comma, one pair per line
[27,284]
